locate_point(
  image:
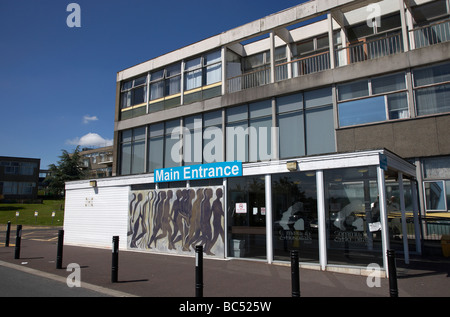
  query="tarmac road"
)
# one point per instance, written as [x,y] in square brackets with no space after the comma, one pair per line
[164,276]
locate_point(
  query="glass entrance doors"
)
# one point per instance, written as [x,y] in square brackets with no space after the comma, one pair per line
[247,217]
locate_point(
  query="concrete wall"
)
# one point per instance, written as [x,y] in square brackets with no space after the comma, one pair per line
[408,138]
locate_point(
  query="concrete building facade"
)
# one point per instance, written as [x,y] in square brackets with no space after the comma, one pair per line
[335,113]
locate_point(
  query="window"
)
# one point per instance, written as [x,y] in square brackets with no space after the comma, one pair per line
[203,72]
[165,85]
[436,171]
[172,145]
[156,147]
[133,97]
[237,133]
[132,151]
[294,205]
[305,123]
[373,100]
[432,89]
[212,137]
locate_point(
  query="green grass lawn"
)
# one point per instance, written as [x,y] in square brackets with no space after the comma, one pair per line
[26,213]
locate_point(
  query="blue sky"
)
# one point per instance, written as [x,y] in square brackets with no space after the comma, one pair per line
[57,84]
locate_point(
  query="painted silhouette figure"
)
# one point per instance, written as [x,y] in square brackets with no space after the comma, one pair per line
[157,217]
[177,218]
[194,221]
[206,232]
[139,225]
[166,220]
[218,214]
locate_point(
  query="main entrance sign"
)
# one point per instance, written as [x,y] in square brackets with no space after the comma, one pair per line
[202,171]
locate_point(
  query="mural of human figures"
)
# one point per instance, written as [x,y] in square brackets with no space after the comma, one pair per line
[176,220]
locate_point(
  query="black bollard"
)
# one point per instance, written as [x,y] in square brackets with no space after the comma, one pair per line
[59,254]
[295,274]
[8,233]
[199,271]
[18,240]
[115,260]
[393,289]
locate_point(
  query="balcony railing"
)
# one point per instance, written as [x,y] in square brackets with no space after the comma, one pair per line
[369,49]
[431,34]
[249,80]
[364,50]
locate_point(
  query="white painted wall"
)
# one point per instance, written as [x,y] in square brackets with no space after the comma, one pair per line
[94,215]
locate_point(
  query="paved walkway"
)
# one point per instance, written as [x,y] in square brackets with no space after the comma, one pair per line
[154,275]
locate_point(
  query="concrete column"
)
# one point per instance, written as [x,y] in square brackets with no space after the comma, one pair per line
[330,39]
[272,56]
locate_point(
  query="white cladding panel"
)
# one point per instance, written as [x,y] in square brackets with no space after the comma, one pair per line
[94,215]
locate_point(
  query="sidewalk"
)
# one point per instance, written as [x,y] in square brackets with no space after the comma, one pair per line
[154,275]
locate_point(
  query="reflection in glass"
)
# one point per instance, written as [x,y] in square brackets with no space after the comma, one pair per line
[351,205]
[246,217]
[294,208]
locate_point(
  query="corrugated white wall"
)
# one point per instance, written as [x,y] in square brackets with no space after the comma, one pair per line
[94,215]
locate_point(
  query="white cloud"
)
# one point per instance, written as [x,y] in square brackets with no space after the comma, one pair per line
[87,119]
[91,140]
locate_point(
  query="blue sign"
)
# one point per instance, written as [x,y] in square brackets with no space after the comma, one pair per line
[383,162]
[203,171]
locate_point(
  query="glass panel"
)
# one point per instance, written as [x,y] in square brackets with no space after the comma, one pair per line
[237,113]
[246,217]
[351,204]
[127,85]
[398,106]
[436,167]
[260,137]
[125,99]
[193,140]
[318,97]
[260,109]
[431,75]
[193,64]
[173,70]
[433,100]
[125,167]
[212,118]
[322,42]
[173,85]
[435,196]
[157,75]
[126,135]
[291,135]
[156,129]
[213,57]
[138,164]
[213,74]
[140,95]
[193,79]
[290,103]
[362,111]
[140,81]
[172,146]
[157,90]
[353,90]
[237,142]
[155,153]
[305,47]
[388,83]
[320,131]
[294,208]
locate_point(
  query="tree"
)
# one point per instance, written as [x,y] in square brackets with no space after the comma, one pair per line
[68,168]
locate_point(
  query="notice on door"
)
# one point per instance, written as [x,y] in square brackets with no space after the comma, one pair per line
[241,208]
